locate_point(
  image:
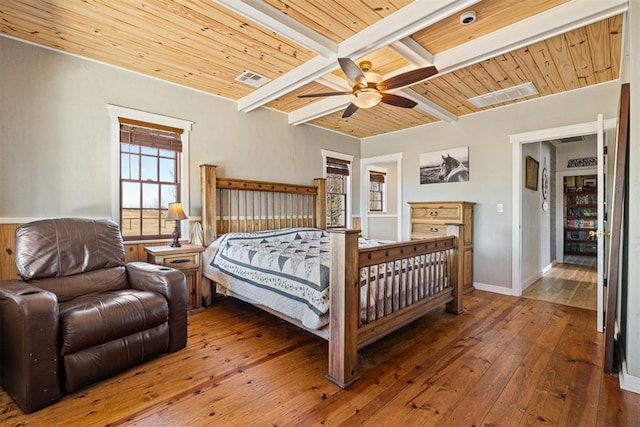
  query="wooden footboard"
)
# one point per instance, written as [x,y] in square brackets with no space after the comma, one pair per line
[375,291]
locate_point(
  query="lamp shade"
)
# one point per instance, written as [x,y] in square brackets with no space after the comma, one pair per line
[175,212]
[366,97]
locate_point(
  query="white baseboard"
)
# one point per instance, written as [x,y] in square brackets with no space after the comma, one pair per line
[531,280]
[627,381]
[493,288]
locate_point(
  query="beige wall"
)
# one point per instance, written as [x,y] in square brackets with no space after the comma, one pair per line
[55,148]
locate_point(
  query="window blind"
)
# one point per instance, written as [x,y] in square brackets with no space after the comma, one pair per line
[338,166]
[150,135]
[377,177]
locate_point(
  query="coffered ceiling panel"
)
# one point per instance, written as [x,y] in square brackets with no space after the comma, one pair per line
[576,59]
[492,15]
[557,45]
[338,20]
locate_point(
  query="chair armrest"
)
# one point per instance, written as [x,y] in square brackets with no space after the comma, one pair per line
[173,285]
[29,319]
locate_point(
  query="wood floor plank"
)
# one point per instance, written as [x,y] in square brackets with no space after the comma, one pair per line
[567,284]
[510,407]
[505,361]
[553,387]
[432,373]
[487,390]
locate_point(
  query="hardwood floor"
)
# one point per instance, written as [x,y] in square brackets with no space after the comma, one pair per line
[505,361]
[573,283]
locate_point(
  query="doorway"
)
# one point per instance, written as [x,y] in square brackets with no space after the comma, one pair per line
[572,278]
[519,142]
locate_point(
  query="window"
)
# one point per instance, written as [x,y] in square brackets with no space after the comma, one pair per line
[149,169]
[337,175]
[149,178]
[376,191]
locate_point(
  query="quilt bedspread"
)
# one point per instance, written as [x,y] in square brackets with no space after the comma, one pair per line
[291,262]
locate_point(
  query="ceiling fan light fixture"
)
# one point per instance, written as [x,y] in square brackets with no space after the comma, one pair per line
[366,97]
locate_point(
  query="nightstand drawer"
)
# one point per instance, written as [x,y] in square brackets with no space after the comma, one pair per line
[187,259]
[182,262]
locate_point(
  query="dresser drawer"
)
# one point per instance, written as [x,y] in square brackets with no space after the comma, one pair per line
[425,231]
[182,262]
[437,213]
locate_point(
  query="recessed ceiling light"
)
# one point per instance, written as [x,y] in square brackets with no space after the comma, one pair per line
[468,18]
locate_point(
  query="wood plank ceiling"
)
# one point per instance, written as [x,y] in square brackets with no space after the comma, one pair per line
[558,45]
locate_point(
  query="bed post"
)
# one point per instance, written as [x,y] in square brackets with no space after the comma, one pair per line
[343,313]
[457,271]
[321,203]
[208,202]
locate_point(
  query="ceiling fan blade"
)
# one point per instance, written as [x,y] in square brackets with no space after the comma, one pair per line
[408,78]
[398,101]
[352,108]
[352,71]
[315,95]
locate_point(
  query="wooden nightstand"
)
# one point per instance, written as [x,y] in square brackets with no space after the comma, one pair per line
[186,259]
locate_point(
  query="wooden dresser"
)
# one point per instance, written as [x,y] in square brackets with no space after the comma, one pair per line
[436,219]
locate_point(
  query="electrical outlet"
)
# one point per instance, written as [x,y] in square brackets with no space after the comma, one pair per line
[500,207]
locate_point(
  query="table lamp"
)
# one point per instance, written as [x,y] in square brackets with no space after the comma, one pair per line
[176,214]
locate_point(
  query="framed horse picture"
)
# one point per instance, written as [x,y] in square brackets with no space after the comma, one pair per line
[445,166]
[531,173]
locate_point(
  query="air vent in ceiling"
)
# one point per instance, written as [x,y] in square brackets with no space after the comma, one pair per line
[252,79]
[504,95]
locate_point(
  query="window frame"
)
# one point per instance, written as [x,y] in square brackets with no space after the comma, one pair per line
[383,190]
[348,181]
[117,112]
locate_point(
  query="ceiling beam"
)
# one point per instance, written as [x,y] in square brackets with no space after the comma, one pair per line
[412,51]
[319,108]
[427,105]
[404,22]
[283,24]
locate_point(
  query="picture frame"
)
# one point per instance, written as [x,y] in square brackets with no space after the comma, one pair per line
[531,173]
[451,165]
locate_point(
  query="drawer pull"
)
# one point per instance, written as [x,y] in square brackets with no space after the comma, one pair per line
[433,213]
[434,229]
[180,261]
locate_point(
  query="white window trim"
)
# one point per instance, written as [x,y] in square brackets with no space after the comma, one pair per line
[346,157]
[116,111]
[384,171]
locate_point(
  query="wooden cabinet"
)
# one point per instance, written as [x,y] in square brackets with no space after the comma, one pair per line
[436,219]
[580,214]
[187,259]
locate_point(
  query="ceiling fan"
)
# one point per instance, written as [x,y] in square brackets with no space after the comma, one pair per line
[368,89]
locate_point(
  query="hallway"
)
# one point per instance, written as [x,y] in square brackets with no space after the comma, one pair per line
[573,283]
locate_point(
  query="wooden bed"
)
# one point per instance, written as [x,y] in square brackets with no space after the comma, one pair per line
[230,205]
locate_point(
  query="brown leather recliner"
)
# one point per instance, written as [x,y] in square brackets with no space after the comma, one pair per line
[80,314]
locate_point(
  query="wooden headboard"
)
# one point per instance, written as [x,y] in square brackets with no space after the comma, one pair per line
[230,204]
